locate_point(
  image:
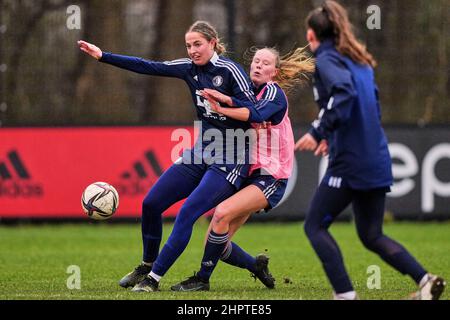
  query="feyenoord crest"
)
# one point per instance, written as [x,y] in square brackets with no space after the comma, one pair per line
[217,81]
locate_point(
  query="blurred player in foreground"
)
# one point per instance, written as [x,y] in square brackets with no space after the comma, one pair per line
[359,169]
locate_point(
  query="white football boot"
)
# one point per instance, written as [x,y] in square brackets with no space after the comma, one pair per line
[431,288]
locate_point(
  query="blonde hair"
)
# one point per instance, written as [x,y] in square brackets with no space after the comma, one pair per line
[294,68]
[210,33]
[331,21]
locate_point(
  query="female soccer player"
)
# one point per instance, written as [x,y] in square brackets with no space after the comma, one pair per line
[205,179]
[359,169]
[273,162]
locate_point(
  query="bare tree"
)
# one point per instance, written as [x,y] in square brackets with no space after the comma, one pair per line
[48,81]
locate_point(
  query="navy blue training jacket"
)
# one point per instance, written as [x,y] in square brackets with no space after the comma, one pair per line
[350,120]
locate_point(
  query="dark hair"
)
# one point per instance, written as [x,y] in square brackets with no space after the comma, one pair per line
[330,21]
[319,22]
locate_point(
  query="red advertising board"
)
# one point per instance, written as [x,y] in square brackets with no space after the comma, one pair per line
[43,171]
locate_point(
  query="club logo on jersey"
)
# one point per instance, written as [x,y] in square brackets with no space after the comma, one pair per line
[217,81]
[15,179]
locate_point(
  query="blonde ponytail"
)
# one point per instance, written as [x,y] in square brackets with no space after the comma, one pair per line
[295,69]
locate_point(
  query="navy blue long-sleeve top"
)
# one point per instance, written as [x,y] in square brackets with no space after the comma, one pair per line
[350,120]
[271,107]
[219,73]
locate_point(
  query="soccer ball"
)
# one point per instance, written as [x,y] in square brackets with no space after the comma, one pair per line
[100,200]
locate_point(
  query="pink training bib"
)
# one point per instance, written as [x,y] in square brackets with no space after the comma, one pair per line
[275,146]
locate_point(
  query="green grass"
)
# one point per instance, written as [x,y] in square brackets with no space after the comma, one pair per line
[34,260]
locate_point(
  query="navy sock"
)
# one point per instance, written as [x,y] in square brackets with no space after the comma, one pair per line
[235,256]
[213,250]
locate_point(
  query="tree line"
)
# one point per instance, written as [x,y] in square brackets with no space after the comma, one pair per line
[46,80]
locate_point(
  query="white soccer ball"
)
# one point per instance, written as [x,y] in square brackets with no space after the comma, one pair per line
[100,200]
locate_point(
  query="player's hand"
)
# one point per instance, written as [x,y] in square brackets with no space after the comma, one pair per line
[220,97]
[307,142]
[264,125]
[214,105]
[90,49]
[322,149]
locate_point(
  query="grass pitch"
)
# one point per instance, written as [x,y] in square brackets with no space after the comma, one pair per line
[34,261]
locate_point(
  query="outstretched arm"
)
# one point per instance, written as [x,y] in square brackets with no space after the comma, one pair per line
[176,69]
